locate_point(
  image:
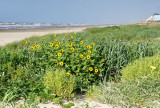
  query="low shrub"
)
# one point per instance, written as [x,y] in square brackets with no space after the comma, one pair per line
[148,67]
[61,82]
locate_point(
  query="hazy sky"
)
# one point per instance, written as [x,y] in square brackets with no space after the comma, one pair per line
[77,11]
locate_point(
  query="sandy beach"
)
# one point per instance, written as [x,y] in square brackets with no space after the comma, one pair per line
[8,36]
[80,103]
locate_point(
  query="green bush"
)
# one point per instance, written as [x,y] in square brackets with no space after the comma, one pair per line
[62,83]
[148,67]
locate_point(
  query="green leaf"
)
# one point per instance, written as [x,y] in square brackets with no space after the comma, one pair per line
[84,68]
[92,62]
[70,104]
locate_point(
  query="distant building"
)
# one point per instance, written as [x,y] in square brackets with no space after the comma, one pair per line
[154,17]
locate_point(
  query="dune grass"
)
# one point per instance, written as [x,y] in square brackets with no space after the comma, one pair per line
[130,94]
[127,32]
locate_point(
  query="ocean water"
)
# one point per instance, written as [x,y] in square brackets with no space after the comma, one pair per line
[14,26]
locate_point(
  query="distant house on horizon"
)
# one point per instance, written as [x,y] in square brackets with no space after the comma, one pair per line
[155,17]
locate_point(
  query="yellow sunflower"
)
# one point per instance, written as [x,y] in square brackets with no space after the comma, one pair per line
[56,46]
[59,42]
[55,40]
[88,56]
[88,46]
[102,59]
[59,54]
[70,44]
[81,55]
[96,70]
[68,74]
[72,49]
[90,68]
[62,50]
[71,36]
[89,51]
[55,35]
[25,41]
[74,34]
[32,48]
[37,46]
[61,63]
[93,44]
[51,44]
[81,42]
[66,34]
[34,45]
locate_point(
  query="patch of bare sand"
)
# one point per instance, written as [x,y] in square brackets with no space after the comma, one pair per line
[80,103]
[8,36]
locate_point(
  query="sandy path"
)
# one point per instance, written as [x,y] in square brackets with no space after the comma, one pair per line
[16,35]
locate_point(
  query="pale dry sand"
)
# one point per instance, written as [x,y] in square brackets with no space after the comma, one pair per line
[80,103]
[8,36]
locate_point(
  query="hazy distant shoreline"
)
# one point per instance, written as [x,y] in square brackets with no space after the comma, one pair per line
[49,28]
[24,26]
[37,29]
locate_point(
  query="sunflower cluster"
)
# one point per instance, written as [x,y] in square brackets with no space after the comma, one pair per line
[76,56]
[35,46]
[91,69]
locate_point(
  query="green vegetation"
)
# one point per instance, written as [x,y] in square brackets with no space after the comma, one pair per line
[128,32]
[134,93]
[147,67]
[61,84]
[58,66]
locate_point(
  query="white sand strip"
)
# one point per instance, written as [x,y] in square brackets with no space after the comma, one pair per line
[17,35]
